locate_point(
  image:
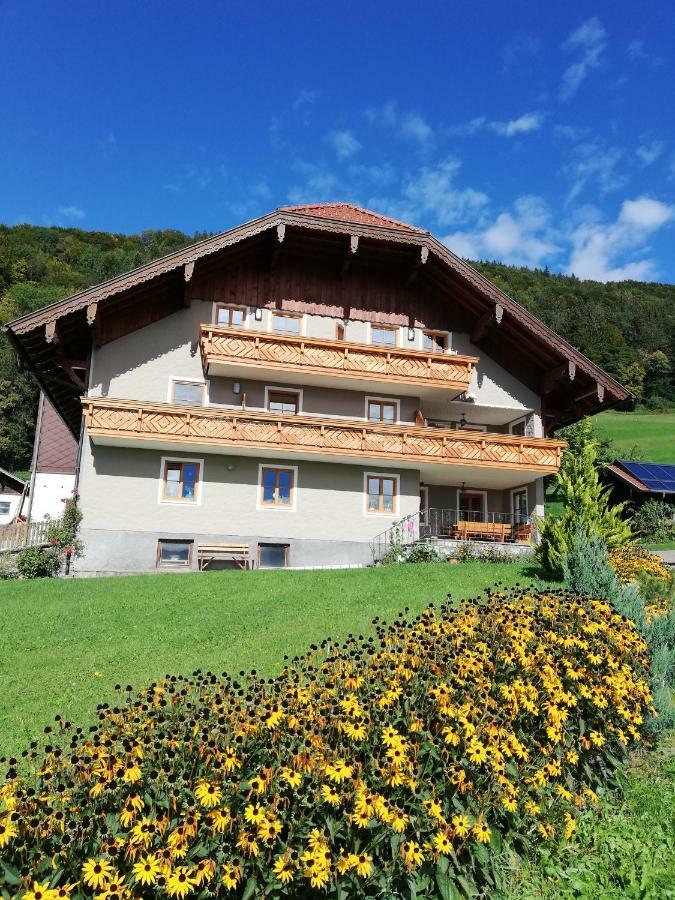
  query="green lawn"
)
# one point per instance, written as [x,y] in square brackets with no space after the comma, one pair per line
[64,644]
[652,433]
[627,849]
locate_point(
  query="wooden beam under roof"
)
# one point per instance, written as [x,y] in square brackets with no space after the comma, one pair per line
[567,370]
[349,254]
[419,261]
[277,244]
[491,316]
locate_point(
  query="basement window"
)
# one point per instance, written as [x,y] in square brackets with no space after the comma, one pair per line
[273,556]
[174,554]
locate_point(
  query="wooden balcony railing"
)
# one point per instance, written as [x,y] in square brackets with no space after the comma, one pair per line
[334,359]
[164,424]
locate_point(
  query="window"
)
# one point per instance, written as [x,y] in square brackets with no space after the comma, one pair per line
[435,341]
[286,323]
[272,556]
[4,507]
[174,554]
[230,316]
[180,481]
[518,427]
[381,491]
[463,425]
[519,504]
[471,505]
[339,332]
[188,393]
[378,410]
[383,335]
[277,487]
[284,402]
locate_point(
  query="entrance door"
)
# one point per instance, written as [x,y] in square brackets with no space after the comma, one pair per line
[471,507]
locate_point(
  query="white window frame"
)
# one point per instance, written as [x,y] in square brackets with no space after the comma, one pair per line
[241,306]
[522,420]
[442,331]
[289,314]
[397,480]
[520,490]
[292,507]
[272,388]
[395,328]
[396,403]
[169,501]
[466,490]
[8,511]
[190,379]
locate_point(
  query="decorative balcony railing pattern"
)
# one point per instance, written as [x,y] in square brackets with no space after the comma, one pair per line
[164,423]
[292,353]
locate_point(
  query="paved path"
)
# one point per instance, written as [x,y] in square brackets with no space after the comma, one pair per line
[668,556]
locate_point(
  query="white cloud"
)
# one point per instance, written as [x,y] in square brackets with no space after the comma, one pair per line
[522,125]
[416,128]
[407,125]
[432,192]
[649,152]
[71,212]
[594,165]
[304,97]
[521,237]
[588,42]
[596,247]
[531,121]
[638,54]
[344,143]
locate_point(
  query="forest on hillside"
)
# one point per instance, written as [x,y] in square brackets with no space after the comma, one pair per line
[628,327]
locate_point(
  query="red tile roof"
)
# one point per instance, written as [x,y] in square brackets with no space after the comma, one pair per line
[348,212]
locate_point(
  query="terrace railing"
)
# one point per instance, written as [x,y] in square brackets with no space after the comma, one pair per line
[19,535]
[453,524]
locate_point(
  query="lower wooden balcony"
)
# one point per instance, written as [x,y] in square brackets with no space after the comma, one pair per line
[238,353]
[502,459]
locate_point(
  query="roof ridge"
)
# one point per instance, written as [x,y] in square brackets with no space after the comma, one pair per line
[336,204]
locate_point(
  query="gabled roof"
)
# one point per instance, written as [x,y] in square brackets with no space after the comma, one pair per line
[348,212]
[520,335]
[11,481]
[648,477]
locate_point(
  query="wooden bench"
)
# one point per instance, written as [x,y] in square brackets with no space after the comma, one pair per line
[482,531]
[236,553]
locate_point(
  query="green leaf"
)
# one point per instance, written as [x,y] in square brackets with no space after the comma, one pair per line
[249,890]
[446,887]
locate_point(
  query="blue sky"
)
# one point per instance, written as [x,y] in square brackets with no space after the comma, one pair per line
[537,134]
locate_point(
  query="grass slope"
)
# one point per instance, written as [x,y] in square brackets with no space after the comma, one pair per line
[626,849]
[64,644]
[652,433]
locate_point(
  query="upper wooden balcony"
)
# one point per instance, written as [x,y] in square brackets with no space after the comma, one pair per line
[217,430]
[238,353]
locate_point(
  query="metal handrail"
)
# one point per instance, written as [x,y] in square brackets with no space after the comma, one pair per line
[453,524]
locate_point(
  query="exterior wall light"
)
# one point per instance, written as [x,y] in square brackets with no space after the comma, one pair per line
[411,334]
[236,388]
[258,314]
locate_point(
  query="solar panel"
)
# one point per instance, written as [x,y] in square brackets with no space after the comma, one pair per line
[658,477]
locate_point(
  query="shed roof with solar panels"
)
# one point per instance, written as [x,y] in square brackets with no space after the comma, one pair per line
[644,478]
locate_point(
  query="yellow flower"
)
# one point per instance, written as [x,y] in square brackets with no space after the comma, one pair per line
[247,843]
[180,882]
[8,830]
[291,778]
[330,795]
[231,875]
[254,813]
[442,843]
[364,865]
[284,869]
[338,771]
[412,854]
[147,870]
[209,795]
[96,873]
[570,825]
[481,832]
[40,892]
[460,825]
[220,820]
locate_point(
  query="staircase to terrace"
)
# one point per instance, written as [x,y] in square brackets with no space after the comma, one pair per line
[444,527]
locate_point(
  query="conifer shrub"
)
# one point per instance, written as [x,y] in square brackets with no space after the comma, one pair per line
[586,505]
[396,765]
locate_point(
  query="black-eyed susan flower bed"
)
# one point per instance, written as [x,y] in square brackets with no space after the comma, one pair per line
[628,562]
[385,766]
